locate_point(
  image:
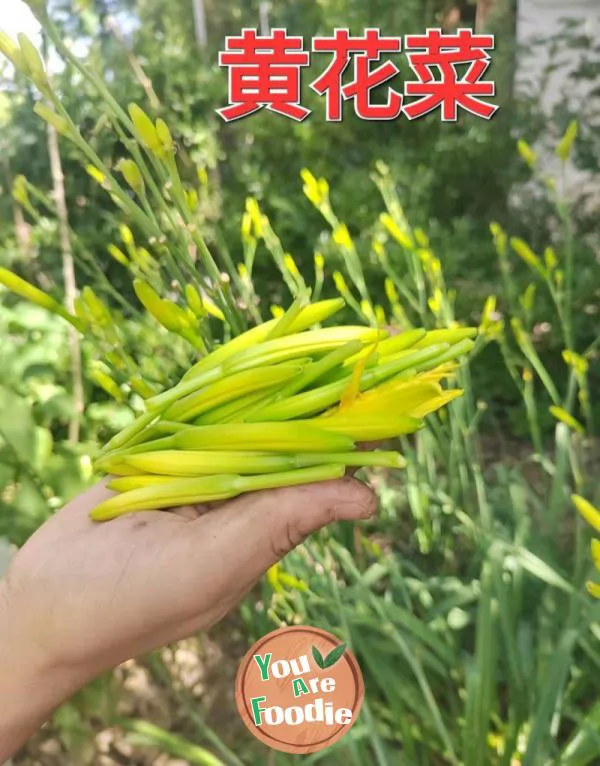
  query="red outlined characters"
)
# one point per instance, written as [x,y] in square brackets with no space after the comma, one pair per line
[435,53]
[264,72]
[363,51]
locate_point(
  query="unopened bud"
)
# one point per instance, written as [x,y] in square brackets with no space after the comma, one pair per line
[164,135]
[194,300]
[19,191]
[32,60]
[96,174]
[145,128]
[118,255]
[126,235]
[11,50]
[131,173]
[52,118]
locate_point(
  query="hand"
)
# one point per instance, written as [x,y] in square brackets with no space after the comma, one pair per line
[81,597]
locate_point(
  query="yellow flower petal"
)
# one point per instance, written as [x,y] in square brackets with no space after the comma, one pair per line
[562,415]
[593,589]
[587,510]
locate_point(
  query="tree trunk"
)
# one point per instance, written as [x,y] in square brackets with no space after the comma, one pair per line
[200,23]
[58,184]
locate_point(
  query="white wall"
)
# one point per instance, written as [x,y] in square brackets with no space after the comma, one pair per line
[542,18]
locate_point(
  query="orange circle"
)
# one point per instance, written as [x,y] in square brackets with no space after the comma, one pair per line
[288,701]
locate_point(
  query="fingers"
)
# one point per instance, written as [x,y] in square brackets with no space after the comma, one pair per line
[259,528]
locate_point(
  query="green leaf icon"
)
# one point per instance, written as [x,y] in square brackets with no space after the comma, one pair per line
[334,655]
[318,657]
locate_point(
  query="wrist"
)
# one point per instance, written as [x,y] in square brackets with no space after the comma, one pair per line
[32,685]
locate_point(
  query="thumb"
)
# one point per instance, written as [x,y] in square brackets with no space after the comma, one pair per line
[269,524]
[300,511]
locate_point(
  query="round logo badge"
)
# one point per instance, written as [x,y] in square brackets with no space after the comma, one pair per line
[299,689]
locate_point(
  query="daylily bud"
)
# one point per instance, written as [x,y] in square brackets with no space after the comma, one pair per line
[131,173]
[107,383]
[565,145]
[160,309]
[96,174]
[396,232]
[96,307]
[52,118]
[118,255]
[191,197]
[19,191]
[526,152]
[194,300]
[35,295]
[523,250]
[12,51]
[32,60]
[141,387]
[341,236]
[164,135]
[126,235]
[145,128]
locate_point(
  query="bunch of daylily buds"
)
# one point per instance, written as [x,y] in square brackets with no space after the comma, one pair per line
[280,405]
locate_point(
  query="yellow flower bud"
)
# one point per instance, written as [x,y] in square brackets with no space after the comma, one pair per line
[105,382]
[392,227]
[191,197]
[145,129]
[32,60]
[163,311]
[164,135]
[141,387]
[390,290]
[96,174]
[421,238]
[131,173]
[526,152]
[118,255]
[550,258]
[565,417]
[126,235]
[194,300]
[340,282]
[579,363]
[213,309]
[34,295]
[290,265]
[500,238]
[49,115]
[12,51]
[380,316]
[565,145]
[246,226]
[253,210]
[97,308]
[202,176]
[523,250]
[590,513]
[19,191]
[341,236]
